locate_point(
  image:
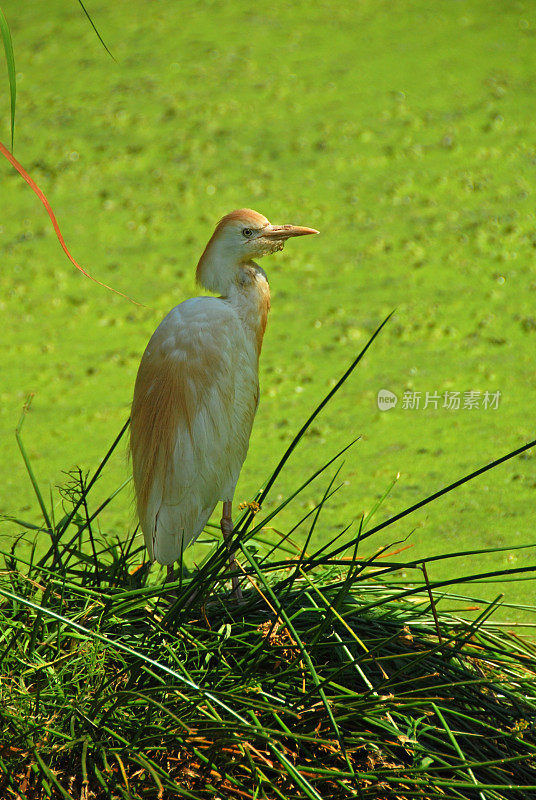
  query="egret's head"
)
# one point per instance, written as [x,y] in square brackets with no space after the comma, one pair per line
[240,237]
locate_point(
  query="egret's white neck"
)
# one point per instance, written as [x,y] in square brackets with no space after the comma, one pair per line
[219,266]
[239,281]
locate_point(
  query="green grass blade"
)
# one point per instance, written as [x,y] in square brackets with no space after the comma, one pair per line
[101,40]
[12,75]
[37,491]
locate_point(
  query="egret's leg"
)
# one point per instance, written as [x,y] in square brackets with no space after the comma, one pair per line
[170,574]
[227,531]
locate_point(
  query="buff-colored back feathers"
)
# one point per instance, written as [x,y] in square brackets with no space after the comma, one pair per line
[167,393]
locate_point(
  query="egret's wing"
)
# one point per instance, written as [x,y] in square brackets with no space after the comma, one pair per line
[194,402]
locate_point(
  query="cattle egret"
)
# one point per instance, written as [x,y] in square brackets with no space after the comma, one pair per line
[197,390]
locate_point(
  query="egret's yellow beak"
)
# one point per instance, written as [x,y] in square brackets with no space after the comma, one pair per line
[283,232]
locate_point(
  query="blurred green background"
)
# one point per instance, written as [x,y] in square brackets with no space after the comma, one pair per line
[405,132]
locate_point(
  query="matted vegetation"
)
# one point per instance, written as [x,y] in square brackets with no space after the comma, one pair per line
[326,682]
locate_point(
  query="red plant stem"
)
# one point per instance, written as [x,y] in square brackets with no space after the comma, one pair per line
[32,184]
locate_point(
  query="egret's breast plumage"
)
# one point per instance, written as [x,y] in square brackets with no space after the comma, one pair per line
[194,402]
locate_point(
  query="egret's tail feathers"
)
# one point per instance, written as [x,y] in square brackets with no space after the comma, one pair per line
[170,537]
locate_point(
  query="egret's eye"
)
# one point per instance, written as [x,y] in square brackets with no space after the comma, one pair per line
[247,232]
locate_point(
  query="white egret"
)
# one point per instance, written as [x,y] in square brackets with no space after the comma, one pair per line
[197,390]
